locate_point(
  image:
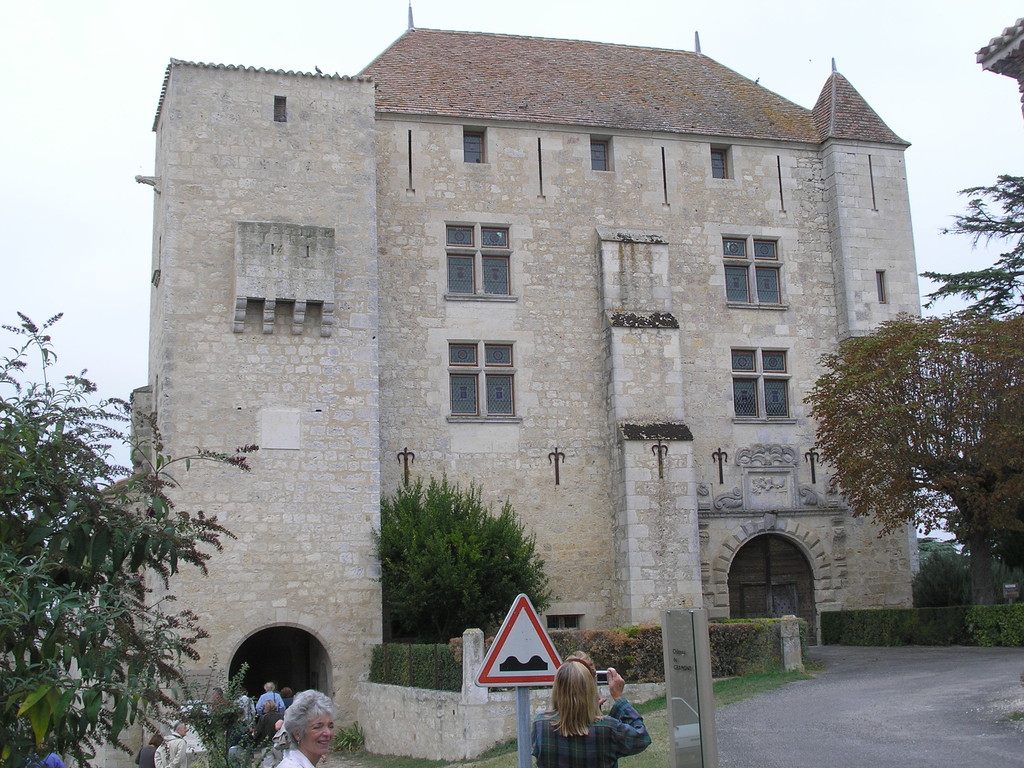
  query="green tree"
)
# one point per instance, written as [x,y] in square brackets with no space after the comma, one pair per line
[993,213]
[923,423]
[448,564]
[84,647]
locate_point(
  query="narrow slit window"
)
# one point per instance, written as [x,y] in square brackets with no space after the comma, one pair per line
[280,109]
[880,285]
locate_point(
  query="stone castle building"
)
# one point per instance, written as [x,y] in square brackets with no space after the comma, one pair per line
[594,279]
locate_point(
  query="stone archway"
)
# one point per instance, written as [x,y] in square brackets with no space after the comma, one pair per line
[770,577]
[286,656]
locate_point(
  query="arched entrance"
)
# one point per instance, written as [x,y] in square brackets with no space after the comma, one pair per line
[286,656]
[770,577]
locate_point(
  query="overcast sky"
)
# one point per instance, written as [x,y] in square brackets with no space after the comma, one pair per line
[82,78]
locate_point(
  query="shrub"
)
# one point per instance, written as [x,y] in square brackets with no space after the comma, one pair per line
[447,563]
[895,626]
[432,666]
[990,625]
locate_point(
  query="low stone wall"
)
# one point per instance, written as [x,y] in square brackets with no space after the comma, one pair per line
[445,725]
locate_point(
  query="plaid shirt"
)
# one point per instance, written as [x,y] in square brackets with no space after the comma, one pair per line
[619,734]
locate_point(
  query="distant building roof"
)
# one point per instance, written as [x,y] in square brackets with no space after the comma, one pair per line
[572,82]
[842,113]
[474,75]
[1005,54]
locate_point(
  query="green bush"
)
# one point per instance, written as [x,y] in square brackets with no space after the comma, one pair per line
[432,666]
[990,625]
[945,578]
[448,563]
[895,626]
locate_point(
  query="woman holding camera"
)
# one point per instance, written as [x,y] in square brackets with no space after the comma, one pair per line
[575,734]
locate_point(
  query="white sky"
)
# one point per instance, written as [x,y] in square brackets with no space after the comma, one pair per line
[82,78]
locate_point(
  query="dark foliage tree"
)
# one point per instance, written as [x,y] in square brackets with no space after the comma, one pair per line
[85,648]
[993,213]
[448,564]
[923,423]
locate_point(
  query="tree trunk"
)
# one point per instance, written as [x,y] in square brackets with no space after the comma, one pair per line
[982,588]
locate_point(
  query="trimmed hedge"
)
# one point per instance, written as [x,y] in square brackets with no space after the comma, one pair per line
[996,624]
[959,625]
[431,666]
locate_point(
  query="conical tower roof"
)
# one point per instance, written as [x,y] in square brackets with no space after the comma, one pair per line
[842,113]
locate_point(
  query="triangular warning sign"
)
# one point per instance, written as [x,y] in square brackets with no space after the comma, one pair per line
[522,652]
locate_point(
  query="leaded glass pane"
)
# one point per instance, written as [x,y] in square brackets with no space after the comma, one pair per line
[765,249]
[742,360]
[773,361]
[718,168]
[736,288]
[776,400]
[744,396]
[734,249]
[462,354]
[463,395]
[495,275]
[499,395]
[460,237]
[460,274]
[599,155]
[492,237]
[767,285]
[498,354]
[473,146]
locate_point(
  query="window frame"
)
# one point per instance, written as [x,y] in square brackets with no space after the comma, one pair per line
[484,256]
[880,287]
[482,370]
[280,109]
[726,161]
[480,153]
[605,143]
[761,379]
[752,266]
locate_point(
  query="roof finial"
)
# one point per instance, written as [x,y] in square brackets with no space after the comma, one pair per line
[834,70]
[411,25]
[696,42]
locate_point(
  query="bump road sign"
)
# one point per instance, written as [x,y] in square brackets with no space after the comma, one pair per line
[522,654]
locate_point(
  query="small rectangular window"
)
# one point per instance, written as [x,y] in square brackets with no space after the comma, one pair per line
[473,146]
[880,285]
[563,621]
[600,158]
[471,269]
[465,372]
[762,379]
[719,163]
[280,109]
[753,260]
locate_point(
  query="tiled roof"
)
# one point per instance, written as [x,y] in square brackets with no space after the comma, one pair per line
[179,63]
[842,113]
[1004,53]
[472,75]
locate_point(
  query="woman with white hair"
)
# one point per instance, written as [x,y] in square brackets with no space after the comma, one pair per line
[308,728]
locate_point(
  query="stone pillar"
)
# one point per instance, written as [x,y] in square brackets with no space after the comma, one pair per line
[472,660]
[792,652]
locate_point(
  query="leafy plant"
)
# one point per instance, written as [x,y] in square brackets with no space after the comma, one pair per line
[349,739]
[922,423]
[448,563]
[85,646]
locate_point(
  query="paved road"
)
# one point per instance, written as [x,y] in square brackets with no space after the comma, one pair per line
[885,708]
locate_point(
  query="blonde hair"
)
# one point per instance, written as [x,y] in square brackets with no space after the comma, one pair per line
[574,698]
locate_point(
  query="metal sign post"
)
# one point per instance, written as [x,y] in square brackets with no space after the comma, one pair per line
[522,655]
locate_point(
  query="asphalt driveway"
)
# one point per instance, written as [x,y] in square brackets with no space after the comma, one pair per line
[911,707]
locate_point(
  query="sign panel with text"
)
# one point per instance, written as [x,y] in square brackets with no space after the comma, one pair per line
[691,703]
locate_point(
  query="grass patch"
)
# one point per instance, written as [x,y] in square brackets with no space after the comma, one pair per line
[655,718]
[1015,717]
[739,688]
